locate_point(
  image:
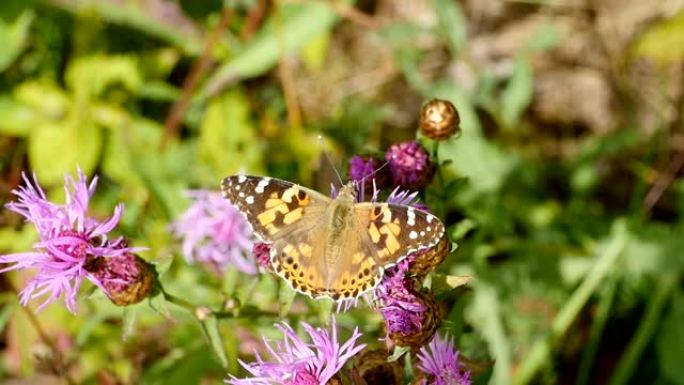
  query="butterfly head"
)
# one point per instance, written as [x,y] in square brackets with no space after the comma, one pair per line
[347,193]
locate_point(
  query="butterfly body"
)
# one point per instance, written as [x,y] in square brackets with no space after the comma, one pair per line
[336,248]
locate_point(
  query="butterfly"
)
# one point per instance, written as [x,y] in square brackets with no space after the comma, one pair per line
[329,247]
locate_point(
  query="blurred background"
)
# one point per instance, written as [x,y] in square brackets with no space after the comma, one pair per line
[566,196]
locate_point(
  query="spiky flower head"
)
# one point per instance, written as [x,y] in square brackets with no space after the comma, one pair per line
[361,167]
[69,240]
[296,362]
[215,233]
[411,316]
[410,165]
[440,364]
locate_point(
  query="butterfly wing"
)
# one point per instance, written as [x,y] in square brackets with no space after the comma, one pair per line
[383,234]
[395,231]
[291,219]
[273,207]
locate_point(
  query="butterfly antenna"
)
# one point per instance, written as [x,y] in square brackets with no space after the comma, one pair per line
[377,169]
[325,154]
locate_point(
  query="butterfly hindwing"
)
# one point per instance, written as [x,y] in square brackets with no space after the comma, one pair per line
[297,259]
[382,234]
[273,207]
[395,231]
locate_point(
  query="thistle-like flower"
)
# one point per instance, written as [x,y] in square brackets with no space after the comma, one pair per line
[69,241]
[438,361]
[262,253]
[410,165]
[296,362]
[361,167]
[215,233]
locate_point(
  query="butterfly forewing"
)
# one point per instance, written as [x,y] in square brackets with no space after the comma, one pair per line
[273,207]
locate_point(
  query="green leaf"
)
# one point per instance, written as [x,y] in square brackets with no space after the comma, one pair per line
[211,332]
[159,91]
[286,297]
[134,15]
[288,30]
[129,320]
[518,93]
[6,314]
[314,52]
[227,141]
[325,309]
[670,341]
[398,352]
[460,229]
[17,119]
[13,37]
[43,97]
[452,22]
[162,265]
[58,148]
[664,41]
[12,240]
[486,309]
[91,75]
[444,284]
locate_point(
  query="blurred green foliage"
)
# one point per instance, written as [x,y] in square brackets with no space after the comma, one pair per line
[576,278]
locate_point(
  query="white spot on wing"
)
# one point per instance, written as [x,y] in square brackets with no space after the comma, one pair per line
[242,178]
[261,185]
[413,235]
[430,218]
[411,217]
[249,199]
[241,194]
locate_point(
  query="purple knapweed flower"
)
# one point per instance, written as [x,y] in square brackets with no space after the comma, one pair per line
[69,240]
[410,165]
[362,167]
[262,253]
[439,361]
[401,308]
[214,232]
[296,362]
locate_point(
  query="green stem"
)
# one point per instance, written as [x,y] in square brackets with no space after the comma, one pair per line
[596,332]
[540,352]
[178,301]
[247,311]
[629,361]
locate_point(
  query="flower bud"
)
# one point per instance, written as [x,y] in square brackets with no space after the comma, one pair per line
[439,119]
[262,253]
[430,319]
[373,367]
[127,279]
[423,262]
